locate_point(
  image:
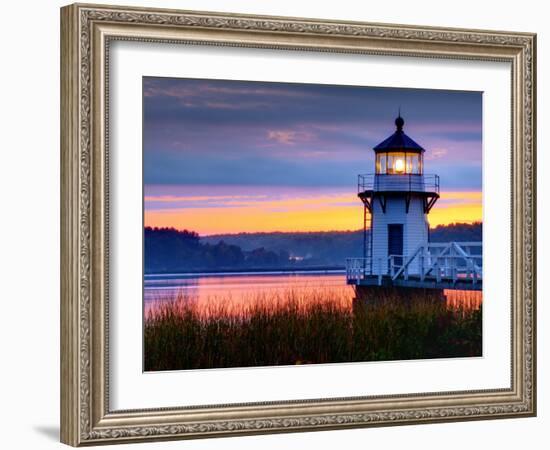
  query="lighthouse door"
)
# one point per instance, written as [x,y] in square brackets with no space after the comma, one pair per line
[395,242]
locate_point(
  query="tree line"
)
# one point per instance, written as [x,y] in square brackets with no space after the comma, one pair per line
[168,249]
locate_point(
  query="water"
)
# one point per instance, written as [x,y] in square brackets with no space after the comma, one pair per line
[239,290]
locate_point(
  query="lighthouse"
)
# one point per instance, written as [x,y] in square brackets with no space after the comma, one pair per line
[397,199]
[397,253]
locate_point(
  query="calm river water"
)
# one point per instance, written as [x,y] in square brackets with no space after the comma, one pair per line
[235,290]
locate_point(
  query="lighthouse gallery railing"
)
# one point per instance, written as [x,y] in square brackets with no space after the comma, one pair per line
[398,183]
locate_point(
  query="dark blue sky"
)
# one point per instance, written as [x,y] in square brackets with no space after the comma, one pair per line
[205,132]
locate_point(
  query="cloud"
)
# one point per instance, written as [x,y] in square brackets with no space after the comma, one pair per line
[297,198]
[289,137]
[436,153]
[197,198]
[186,88]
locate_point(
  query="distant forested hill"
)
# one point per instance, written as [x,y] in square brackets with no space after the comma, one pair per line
[167,249]
[331,247]
[458,232]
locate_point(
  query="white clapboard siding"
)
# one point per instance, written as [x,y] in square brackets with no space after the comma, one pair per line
[415,230]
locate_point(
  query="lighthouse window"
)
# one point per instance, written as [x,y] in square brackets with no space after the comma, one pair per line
[390,163]
[415,166]
[381,163]
[409,163]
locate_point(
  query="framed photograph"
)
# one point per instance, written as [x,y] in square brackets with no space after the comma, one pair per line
[275,224]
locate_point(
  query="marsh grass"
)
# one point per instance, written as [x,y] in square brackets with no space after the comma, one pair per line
[293,327]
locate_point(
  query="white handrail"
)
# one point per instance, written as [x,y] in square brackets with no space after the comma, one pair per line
[450,261]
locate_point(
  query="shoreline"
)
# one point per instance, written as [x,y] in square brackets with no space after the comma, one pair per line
[334,270]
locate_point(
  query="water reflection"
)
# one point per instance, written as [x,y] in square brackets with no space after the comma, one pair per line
[237,292]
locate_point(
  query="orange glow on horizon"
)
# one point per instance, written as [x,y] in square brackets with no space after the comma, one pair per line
[453,207]
[249,220]
[323,213]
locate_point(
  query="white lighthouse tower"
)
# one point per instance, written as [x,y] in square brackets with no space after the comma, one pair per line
[397,199]
[397,252]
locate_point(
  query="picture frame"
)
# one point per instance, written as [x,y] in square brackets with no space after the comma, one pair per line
[87,32]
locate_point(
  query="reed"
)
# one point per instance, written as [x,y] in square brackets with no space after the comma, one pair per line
[293,327]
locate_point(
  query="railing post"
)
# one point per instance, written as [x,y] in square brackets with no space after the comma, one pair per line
[379,271]
[455,276]
[437,271]
[422,265]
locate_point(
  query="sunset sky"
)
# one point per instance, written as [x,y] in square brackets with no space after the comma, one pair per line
[237,156]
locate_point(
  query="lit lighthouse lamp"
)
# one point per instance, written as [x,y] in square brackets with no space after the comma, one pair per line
[399,165]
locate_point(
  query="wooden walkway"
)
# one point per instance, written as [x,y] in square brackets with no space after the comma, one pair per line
[452,265]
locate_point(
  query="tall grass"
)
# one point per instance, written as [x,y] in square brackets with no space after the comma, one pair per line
[305,328]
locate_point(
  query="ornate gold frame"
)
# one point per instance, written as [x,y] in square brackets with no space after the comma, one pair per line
[86,31]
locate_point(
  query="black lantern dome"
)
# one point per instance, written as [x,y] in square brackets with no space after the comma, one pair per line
[398,141]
